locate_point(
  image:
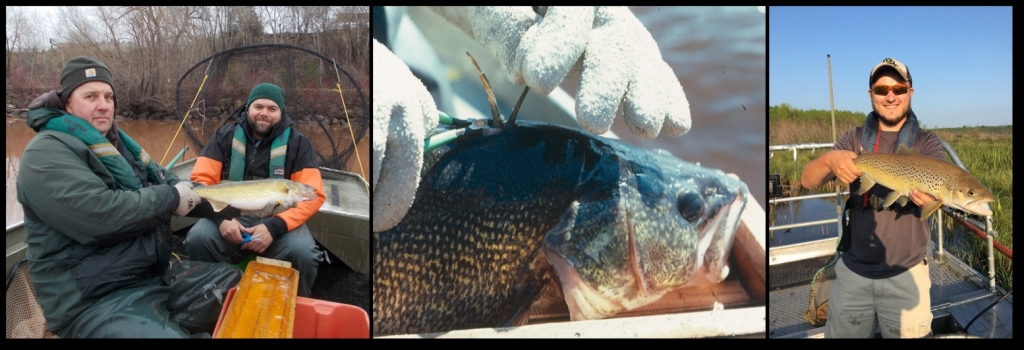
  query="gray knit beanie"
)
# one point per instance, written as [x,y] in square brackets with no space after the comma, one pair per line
[81,70]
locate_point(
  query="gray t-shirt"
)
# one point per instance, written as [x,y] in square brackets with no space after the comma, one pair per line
[885,243]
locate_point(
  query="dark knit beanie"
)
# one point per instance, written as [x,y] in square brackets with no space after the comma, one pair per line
[268,91]
[81,70]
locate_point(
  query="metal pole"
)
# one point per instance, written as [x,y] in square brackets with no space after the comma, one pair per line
[941,252]
[832,105]
[991,256]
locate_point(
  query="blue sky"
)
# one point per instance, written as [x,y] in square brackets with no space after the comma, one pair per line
[959,57]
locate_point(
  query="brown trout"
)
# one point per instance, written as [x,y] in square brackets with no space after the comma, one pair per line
[907,170]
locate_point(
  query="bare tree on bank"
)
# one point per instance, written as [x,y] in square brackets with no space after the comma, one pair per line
[150,47]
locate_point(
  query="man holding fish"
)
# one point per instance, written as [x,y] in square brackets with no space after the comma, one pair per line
[882,276]
[97,216]
[262,145]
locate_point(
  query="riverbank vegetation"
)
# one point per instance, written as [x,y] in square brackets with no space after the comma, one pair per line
[149,48]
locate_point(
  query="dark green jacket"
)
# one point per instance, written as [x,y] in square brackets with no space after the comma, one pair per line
[86,237]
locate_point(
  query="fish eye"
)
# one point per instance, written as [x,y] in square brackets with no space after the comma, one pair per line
[690,205]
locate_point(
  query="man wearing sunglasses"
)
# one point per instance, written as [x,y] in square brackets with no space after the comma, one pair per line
[882,274]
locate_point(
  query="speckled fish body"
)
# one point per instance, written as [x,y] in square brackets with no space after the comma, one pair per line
[255,194]
[907,170]
[496,217]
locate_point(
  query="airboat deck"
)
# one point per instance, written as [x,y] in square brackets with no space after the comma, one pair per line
[958,293]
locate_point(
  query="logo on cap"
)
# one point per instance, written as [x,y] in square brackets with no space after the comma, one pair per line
[91,72]
[890,62]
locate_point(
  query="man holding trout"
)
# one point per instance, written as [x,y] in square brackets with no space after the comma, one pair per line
[261,145]
[882,277]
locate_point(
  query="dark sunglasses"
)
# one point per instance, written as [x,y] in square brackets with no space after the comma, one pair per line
[883,90]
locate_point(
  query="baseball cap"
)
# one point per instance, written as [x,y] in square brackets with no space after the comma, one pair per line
[893,64]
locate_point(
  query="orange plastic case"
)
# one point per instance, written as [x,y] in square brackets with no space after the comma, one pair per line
[264,305]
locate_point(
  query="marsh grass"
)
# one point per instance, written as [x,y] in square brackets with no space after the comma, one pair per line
[986,151]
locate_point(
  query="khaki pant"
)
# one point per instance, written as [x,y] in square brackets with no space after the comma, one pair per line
[900,305]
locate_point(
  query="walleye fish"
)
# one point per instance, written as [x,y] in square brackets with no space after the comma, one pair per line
[907,170]
[257,197]
[498,216]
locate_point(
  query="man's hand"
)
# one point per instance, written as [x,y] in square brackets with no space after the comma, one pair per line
[232,230]
[261,239]
[920,198]
[188,199]
[841,164]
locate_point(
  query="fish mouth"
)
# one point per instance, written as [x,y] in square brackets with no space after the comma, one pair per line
[977,207]
[307,196]
[714,248]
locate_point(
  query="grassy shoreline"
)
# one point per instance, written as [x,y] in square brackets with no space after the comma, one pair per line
[986,151]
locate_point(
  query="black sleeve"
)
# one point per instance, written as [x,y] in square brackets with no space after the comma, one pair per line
[304,156]
[219,147]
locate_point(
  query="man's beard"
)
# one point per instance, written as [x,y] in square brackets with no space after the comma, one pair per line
[892,122]
[256,128]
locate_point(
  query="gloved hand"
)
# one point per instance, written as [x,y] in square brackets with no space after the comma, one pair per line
[188,199]
[617,60]
[403,114]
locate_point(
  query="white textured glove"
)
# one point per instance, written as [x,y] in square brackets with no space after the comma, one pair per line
[617,60]
[188,199]
[403,114]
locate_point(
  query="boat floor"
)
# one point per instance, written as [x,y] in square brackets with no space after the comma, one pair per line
[335,281]
[957,291]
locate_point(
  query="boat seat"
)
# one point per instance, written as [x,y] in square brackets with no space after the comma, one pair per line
[24,314]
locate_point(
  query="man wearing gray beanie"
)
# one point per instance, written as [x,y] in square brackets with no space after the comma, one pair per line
[97,216]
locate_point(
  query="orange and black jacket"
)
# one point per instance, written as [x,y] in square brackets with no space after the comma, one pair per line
[214,164]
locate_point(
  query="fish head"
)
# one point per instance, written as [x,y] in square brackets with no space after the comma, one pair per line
[665,223]
[970,195]
[301,192]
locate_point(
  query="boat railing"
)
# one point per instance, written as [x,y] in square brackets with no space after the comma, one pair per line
[983,230]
